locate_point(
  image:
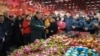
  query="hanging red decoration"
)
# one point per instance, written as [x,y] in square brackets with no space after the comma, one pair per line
[56,1]
[13,2]
[19,11]
[66,0]
[23,0]
[61,0]
[12,13]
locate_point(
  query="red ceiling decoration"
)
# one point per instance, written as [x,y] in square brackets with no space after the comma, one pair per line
[51,5]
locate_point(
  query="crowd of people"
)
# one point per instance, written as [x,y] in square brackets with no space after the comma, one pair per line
[22,30]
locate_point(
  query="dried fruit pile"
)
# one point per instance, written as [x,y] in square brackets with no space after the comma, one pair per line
[57,45]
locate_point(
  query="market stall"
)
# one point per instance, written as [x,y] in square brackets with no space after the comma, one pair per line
[62,45]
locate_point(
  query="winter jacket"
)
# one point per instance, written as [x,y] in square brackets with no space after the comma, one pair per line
[90,25]
[37,27]
[2,32]
[2,35]
[26,27]
[78,24]
[52,29]
[69,24]
[17,32]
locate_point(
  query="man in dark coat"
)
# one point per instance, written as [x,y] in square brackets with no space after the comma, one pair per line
[37,26]
[2,33]
[88,25]
[77,24]
[7,28]
[53,28]
[68,20]
[18,40]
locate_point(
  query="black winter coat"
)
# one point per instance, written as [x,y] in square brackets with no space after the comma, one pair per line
[37,27]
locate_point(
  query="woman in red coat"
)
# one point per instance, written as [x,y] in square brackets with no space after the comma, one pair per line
[26,29]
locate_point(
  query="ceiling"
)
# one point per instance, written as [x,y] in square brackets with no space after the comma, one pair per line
[71,4]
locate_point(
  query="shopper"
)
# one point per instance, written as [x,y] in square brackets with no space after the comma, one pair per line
[68,20]
[61,25]
[7,28]
[37,26]
[77,23]
[12,19]
[44,31]
[18,40]
[51,26]
[2,34]
[89,25]
[26,30]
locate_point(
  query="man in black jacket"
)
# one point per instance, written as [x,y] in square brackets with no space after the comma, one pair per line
[37,26]
[7,28]
[2,33]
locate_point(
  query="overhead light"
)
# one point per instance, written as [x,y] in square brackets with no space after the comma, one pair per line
[61,0]
[98,5]
[87,2]
[45,2]
[98,1]
[73,3]
[69,7]
[50,5]
[66,0]
[94,8]
[92,2]
[69,4]
[65,4]
[49,1]
[88,5]
[56,1]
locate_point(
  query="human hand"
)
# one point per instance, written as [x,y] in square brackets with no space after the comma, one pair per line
[3,40]
[58,28]
[86,29]
[20,26]
[96,24]
[6,33]
[52,31]
[44,27]
[12,24]
[73,27]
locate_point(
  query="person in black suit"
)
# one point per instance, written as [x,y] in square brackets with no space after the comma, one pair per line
[37,26]
[7,28]
[2,34]
[53,28]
